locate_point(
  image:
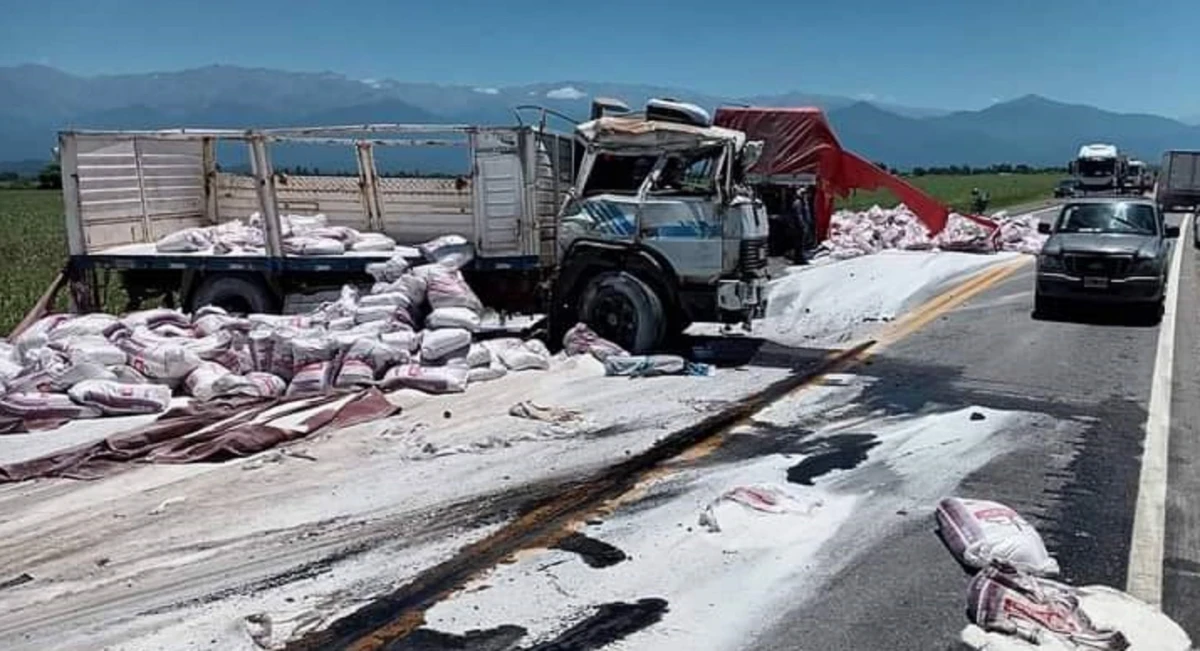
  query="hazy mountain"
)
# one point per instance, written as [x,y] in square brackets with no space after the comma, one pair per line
[37,101]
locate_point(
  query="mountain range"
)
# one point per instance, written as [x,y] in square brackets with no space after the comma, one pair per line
[37,101]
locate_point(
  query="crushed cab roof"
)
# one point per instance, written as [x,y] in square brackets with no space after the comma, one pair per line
[655,135]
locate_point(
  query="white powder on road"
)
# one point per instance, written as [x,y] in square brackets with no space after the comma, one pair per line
[835,303]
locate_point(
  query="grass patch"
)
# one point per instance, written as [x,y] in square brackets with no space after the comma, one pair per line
[1005,189]
[33,249]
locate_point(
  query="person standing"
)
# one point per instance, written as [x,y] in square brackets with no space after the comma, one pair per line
[802,213]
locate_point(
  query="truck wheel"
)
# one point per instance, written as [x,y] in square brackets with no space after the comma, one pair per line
[624,310]
[237,294]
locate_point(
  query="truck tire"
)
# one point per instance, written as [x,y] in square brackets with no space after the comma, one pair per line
[237,294]
[623,309]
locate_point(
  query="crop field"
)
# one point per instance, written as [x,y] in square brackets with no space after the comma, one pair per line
[33,245]
[33,249]
[1005,190]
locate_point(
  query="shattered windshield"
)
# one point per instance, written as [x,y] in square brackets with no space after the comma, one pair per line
[1108,218]
[689,173]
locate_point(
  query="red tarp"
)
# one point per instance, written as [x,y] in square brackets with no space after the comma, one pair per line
[801,141]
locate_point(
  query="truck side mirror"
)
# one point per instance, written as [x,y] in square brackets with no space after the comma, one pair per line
[1172,231]
[1043,228]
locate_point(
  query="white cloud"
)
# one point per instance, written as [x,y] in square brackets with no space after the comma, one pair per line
[866,97]
[566,92]
[995,100]
[373,83]
[487,91]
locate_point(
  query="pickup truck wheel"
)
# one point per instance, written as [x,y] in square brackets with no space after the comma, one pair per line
[236,294]
[624,310]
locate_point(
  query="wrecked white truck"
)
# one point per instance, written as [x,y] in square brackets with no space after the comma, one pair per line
[672,238]
[658,231]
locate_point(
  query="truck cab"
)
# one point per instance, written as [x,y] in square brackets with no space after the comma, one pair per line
[659,230]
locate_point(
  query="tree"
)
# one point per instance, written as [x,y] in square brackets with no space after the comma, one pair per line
[50,178]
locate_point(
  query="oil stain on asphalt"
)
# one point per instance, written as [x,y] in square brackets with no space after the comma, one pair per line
[607,624]
[596,553]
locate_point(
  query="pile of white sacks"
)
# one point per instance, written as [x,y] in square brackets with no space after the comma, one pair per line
[853,233]
[413,329]
[307,235]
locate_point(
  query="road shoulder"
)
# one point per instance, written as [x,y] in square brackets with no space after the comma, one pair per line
[1181,554]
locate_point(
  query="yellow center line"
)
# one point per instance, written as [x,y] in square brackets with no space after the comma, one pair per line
[903,327]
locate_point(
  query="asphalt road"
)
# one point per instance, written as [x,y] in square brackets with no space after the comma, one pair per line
[1074,472]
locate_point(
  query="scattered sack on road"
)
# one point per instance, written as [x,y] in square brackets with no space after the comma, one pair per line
[118,399]
[517,355]
[448,378]
[980,532]
[763,498]
[479,356]
[581,339]
[1035,610]
[653,365]
[446,287]
[529,410]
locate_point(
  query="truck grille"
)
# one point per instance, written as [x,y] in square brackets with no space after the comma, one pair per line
[1112,266]
[753,256]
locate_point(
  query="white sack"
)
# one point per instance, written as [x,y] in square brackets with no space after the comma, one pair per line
[201,383]
[479,355]
[91,348]
[367,314]
[979,532]
[63,378]
[87,325]
[188,240]
[493,371]
[254,385]
[453,251]
[310,380]
[341,323]
[439,345]
[366,360]
[312,246]
[37,335]
[453,317]
[389,270]
[450,378]
[166,362]
[406,339]
[373,242]
[127,374]
[411,285]
[446,287]
[154,317]
[296,223]
[118,399]
[581,339]
[38,406]
[520,355]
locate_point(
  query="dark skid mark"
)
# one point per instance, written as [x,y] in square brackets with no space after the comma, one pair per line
[501,638]
[837,452]
[596,553]
[388,616]
[610,622]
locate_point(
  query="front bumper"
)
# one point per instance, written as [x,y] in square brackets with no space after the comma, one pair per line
[745,296]
[1131,289]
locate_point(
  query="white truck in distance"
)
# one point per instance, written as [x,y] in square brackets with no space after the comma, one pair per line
[664,268]
[1098,168]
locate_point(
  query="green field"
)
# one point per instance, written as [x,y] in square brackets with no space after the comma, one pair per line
[33,246]
[1005,189]
[33,249]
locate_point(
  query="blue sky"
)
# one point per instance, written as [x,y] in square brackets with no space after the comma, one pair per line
[940,53]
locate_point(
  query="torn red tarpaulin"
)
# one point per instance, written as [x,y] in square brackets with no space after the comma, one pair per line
[206,432]
[800,141]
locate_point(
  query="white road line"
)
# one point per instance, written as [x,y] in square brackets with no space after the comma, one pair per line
[1145,578]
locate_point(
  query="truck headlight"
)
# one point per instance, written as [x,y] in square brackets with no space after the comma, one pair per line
[1048,262]
[1146,267]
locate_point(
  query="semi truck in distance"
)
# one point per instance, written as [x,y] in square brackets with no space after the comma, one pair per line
[1099,167]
